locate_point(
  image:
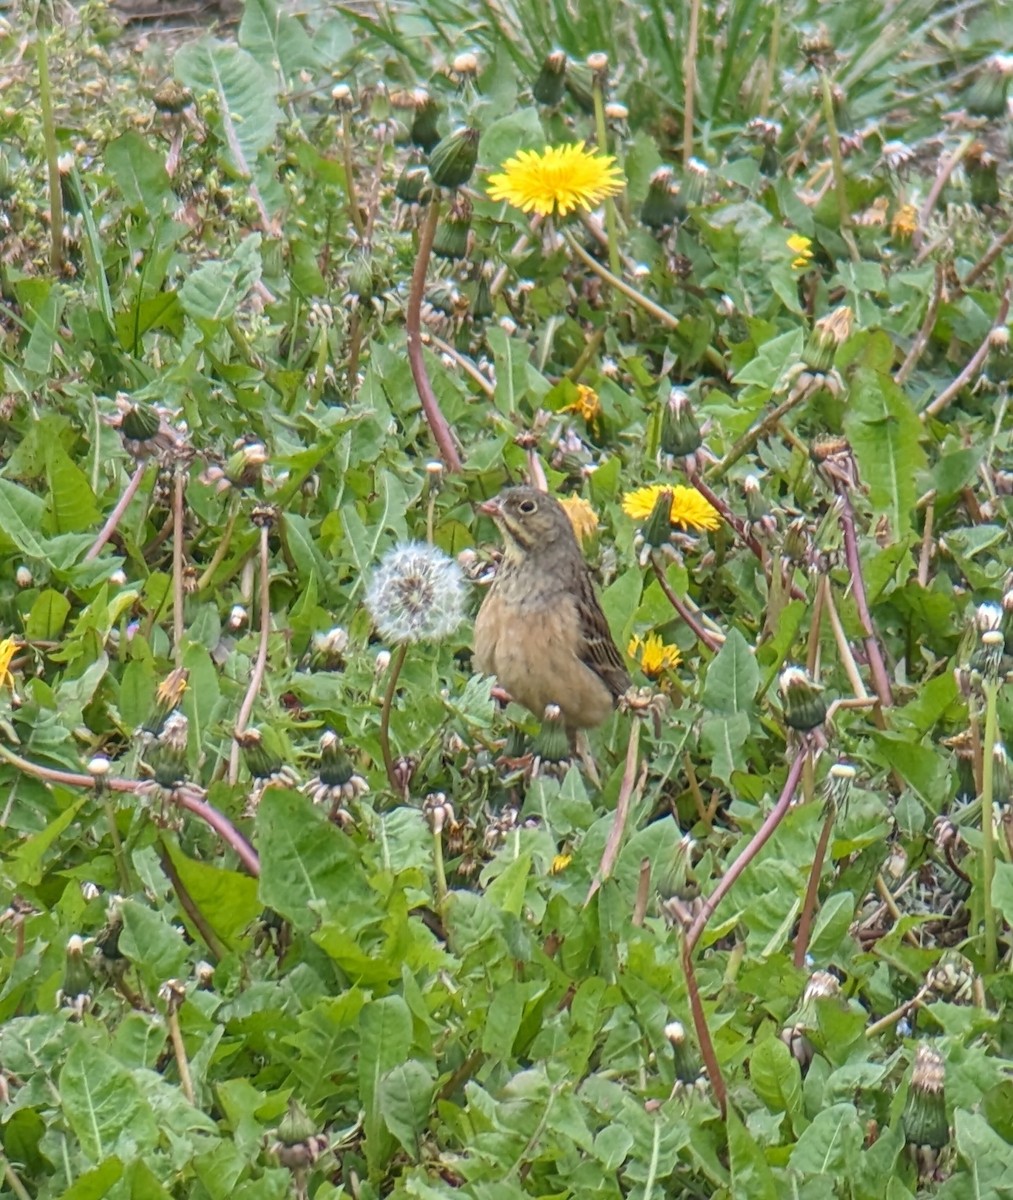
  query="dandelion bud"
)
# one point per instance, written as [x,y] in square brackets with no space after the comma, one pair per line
[821,986]
[423,132]
[381,663]
[204,974]
[296,1125]
[465,66]
[452,160]
[988,617]
[167,697]
[689,1072]
[616,113]
[762,521]
[411,185]
[680,432]
[238,616]
[580,84]
[657,529]
[245,465]
[983,175]
[329,647]
[987,92]
[837,785]
[171,98]
[453,233]
[597,62]
[439,812]
[416,594]
[797,543]
[552,743]
[75,990]
[261,761]
[926,1129]
[23,577]
[549,85]
[695,179]
[172,993]
[804,706]
[167,757]
[827,334]
[98,767]
[341,94]
[660,207]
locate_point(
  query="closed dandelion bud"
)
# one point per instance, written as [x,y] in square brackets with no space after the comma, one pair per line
[171,98]
[762,521]
[261,761]
[412,184]
[341,94]
[98,767]
[657,529]
[452,161]
[238,616]
[988,617]
[804,706]
[362,281]
[329,647]
[660,209]
[688,1067]
[465,66]
[453,233]
[296,1125]
[75,991]
[423,131]
[986,95]
[827,334]
[245,465]
[983,175]
[549,86]
[796,541]
[336,767]
[680,433]
[167,756]
[695,180]
[924,1117]
[821,985]
[23,577]
[481,305]
[579,83]
[552,743]
[139,422]
[434,477]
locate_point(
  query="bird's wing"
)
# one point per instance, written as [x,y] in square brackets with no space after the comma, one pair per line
[598,649]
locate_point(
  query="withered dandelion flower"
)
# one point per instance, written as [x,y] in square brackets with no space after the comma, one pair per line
[582,516]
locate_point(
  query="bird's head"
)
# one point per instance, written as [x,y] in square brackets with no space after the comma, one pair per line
[529,520]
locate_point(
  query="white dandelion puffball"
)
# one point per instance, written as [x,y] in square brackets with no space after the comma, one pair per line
[416,594]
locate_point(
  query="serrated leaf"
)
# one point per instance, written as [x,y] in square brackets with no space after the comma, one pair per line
[405,1097]
[732,678]
[102,1104]
[140,173]
[722,739]
[213,292]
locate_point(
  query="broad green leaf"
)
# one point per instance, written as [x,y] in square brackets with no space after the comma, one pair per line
[502,138]
[831,1143]
[26,862]
[277,40]
[751,1176]
[103,1105]
[156,947]
[213,292]
[405,1097]
[72,504]
[245,93]
[832,925]
[48,616]
[227,899]
[44,323]
[732,678]
[722,738]
[385,1040]
[21,515]
[96,1183]
[140,174]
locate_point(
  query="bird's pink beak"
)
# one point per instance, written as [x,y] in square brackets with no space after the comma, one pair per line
[491,508]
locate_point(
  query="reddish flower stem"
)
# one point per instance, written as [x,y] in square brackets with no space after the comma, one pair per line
[693,934]
[441,431]
[109,528]
[812,890]
[682,609]
[880,678]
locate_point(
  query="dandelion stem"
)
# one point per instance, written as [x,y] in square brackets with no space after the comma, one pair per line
[975,363]
[52,150]
[924,333]
[880,679]
[188,904]
[812,889]
[991,690]
[220,551]
[354,212]
[257,677]
[701,634]
[988,258]
[755,432]
[177,565]
[114,837]
[114,518]
[179,1051]
[611,224]
[615,836]
[397,662]
[441,431]
[439,870]
[836,158]
[689,81]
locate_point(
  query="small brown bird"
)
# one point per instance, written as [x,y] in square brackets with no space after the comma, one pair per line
[541,630]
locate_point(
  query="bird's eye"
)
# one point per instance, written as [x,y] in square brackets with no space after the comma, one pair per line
[527,507]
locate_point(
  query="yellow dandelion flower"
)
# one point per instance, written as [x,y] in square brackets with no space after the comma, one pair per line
[8,648]
[802,248]
[560,863]
[587,403]
[689,508]
[653,655]
[557,180]
[905,222]
[582,516]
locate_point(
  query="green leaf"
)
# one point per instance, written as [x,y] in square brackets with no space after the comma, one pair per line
[72,504]
[45,320]
[103,1105]
[156,947]
[277,40]
[831,1143]
[213,292]
[245,93]
[48,616]
[405,1096]
[732,678]
[21,516]
[832,927]
[751,1175]
[722,739]
[885,435]
[502,138]
[777,1077]
[140,174]
[229,900]
[385,1040]
[96,1183]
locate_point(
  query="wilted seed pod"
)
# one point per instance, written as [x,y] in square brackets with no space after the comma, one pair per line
[657,529]
[580,84]
[660,209]
[986,95]
[329,646]
[797,543]
[452,161]
[412,184]
[423,131]
[296,1125]
[689,1071]
[245,465]
[551,82]
[23,577]
[107,939]
[680,432]
[804,706]
[453,233]
[139,422]
[983,175]
[552,743]
[362,279]
[171,97]
[926,1129]
[167,697]
[167,757]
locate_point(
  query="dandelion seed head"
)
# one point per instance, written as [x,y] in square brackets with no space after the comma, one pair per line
[416,594]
